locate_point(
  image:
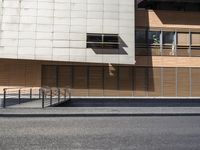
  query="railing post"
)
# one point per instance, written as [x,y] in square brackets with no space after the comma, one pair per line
[39,93]
[69,92]
[4,98]
[19,96]
[58,95]
[51,97]
[30,94]
[42,98]
[65,94]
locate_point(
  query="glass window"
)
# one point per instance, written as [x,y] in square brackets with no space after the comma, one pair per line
[110,38]
[140,37]
[154,37]
[106,41]
[168,37]
[94,38]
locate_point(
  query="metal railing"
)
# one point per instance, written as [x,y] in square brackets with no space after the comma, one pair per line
[13,96]
[45,96]
[53,96]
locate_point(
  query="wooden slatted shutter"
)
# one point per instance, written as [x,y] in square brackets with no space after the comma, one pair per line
[169,82]
[110,81]
[154,82]
[96,81]
[125,81]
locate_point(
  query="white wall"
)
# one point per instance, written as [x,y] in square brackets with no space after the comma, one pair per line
[56,29]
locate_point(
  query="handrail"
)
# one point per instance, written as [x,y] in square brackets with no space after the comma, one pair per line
[54,95]
[48,95]
[17,93]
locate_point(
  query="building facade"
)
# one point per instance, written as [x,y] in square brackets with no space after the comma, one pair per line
[102,48]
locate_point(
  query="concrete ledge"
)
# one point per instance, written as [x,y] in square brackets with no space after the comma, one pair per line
[101,112]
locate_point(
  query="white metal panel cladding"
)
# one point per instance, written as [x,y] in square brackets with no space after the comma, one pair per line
[57,29]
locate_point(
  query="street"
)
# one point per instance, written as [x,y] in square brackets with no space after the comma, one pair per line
[102,133]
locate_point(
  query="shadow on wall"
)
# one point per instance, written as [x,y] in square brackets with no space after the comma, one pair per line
[111,51]
[178,18]
[144,69]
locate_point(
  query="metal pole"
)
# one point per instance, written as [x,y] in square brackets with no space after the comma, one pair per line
[19,96]
[30,94]
[65,94]
[58,95]
[42,98]
[51,97]
[4,98]
[39,93]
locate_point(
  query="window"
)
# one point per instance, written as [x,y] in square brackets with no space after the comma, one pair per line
[104,41]
[195,44]
[140,37]
[154,43]
[168,37]
[154,37]
[141,42]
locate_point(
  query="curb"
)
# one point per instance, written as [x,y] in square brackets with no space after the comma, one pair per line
[102,115]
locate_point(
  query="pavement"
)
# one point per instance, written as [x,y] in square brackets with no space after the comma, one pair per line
[100,111]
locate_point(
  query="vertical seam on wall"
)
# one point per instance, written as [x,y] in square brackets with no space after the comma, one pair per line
[72,76]
[36,30]
[177,82]
[133,79]
[162,92]
[190,76]
[87,81]
[70,9]
[190,42]
[118,88]
[53,29]
[146,80]
[103,79]
[19,13]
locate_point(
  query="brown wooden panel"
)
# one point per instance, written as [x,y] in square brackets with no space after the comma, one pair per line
[141,51]
[33,75]
[125,81]
[182,51]
[49,76]
[154,82]
[168,51]
[154,51]
[64,76]
[182,39]
[195,39]
[139,81]
[183,82]
[195,51]
[96,81]
[110,81]
[195,82]
[3,74]
[169,82]
[80,81]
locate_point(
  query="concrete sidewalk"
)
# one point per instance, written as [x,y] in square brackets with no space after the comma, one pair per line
[101,111]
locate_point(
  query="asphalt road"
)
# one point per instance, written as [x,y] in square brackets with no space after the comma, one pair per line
[102,133]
